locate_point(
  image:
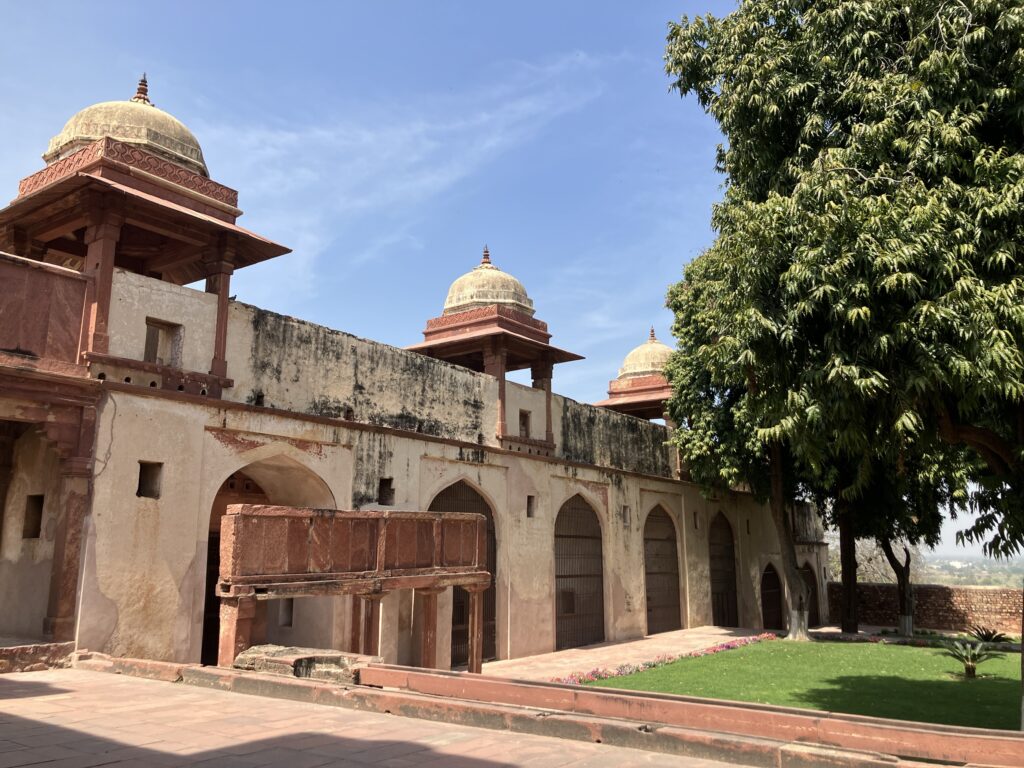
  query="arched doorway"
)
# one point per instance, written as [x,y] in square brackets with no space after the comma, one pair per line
[275,480]
[813,616]
[661,572]
[771,599]
[462,497]
[722,559]
[579,576]
[239,488]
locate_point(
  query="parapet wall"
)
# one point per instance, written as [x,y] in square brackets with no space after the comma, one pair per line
[936,606]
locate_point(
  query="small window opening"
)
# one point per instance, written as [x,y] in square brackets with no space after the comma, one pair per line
[127,379]
[33,526]
[524,424]
[748,526]
[386,492]
[259,399]
[101,376]
[163,343]
[531,506]
[349,414]
[696,521]
[149,479]
[566,602]
[626,515]
[286,612]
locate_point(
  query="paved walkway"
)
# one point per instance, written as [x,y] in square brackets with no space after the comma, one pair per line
[76,719]
[560,664]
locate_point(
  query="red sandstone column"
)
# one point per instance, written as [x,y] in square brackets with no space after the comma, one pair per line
[370,621]
[542,374]
[428,640]
[219,269]
[73,505]
[476,627]
[494,365]
[101,238]
[236,615]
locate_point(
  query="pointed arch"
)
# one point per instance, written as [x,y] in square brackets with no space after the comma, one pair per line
[722,562]
[771,599]
[661,572]
[579,575]
[811,580]
[462,496]
[273,479]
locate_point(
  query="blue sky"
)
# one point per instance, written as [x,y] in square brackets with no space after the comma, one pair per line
[387,142]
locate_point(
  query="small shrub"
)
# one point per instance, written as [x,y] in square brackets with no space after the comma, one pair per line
[970,655]
[986,634]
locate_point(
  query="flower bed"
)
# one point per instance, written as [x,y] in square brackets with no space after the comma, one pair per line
[581,678]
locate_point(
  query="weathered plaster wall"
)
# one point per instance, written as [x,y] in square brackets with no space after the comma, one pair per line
[25,564]
[609,439]
[307,368]
[136,298]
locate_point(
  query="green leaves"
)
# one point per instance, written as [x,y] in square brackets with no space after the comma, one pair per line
[863,303]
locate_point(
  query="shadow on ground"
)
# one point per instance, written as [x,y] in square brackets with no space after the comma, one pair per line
[987,702]
[28,742]
[13,686]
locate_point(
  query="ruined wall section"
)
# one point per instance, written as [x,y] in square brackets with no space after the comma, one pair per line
[282,362]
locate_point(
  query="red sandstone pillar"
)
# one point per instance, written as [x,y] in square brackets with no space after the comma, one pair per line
[73,505]
[219,269]
[428,640]
[101,238]
[236,615]
[542,374]
[370,621]
[494,365]
[476,627]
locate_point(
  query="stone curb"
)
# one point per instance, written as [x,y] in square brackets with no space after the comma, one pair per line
[669,739]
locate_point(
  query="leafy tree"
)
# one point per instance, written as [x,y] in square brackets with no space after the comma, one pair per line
[870,231]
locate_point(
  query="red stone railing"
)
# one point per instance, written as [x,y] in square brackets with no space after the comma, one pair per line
[272,552]
[276,551]
[42,310]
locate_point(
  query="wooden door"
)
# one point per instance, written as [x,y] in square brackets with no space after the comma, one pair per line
[661,573]
[722,558]
[579,576]
[771,599]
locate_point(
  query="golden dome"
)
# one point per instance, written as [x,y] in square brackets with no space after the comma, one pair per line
[484,286]
[134,122]
[646,360]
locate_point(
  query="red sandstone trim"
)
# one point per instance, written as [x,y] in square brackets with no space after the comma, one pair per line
[35,657]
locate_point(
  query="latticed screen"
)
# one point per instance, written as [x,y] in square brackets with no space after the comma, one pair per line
[579,576]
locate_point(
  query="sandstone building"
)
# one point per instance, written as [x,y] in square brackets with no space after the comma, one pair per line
[134,409]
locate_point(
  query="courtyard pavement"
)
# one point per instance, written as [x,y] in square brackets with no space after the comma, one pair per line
[560,664]
[67,718]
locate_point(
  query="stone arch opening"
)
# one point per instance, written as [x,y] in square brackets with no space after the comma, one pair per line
[811,580]
[275,480]
[771,599]
[579,576]
[661,572]
[722,561]
[463,497]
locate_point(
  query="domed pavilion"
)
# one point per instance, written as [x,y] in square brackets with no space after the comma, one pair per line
[641,388]
[126,186]
[488,325]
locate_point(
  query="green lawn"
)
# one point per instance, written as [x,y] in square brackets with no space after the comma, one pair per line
[858,678]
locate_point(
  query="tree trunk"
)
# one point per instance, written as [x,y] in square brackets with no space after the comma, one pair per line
[787,545]
[848,559]
[904,588]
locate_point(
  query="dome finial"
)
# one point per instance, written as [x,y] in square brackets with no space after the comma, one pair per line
[487,256]
[142,92]
[652,337]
